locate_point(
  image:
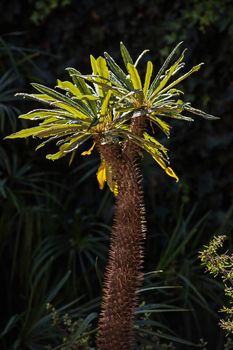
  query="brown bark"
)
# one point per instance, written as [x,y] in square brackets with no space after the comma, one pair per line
[137,127]
[124,270]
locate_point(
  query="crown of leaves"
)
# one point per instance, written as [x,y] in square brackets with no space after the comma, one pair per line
[104,104]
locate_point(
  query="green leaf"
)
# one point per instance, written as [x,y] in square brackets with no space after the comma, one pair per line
[71,146]
[25,132]
[99,67]
[163,69]
[125,55]
[38,97]
[79,82]
[102,67]
[177,116]
[93,65]
[118,72]
[105,104]
[55,129]
[42,144]
[149,70]
[135,78]
[140,57]
[55,156]
[183,77]
[154,144]
[68,86]
[38,114]
[57,96]
[74,143]
[169,73]
[153,147]
[75,112]
[10,324]
[53,120]
[199,112]
[72,158]
[82,86]
[95,80]
[160,123]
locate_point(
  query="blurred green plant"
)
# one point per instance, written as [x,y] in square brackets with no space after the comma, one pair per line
[41,9]
[7,109]
[221,265]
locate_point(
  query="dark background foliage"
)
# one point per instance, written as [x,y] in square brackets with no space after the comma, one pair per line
[55,223]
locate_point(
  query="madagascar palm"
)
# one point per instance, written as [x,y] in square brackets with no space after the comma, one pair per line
[116,110]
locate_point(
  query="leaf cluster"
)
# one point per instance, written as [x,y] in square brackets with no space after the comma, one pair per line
[103,105]
[221,265]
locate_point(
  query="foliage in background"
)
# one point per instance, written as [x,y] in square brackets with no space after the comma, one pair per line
[43,8]
[56,204]
[221,265]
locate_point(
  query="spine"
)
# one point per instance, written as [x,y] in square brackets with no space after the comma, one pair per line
[124,273]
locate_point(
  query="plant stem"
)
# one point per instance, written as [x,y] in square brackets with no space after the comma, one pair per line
[124,270]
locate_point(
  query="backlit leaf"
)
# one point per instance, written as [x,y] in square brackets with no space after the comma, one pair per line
[183,77]
[201,113]
[102,67]
[134,76]
[125,55]
[163,69]
[45,113]
[88,152]
[55,156]
[68,86]
[161,124]
[112,183]
[118,72]
[25,132]
[101,174]
[171,173]
[105,104]
[74,143]
[149,70]
[93,65]
[140,57]
[82,86]
[168,75]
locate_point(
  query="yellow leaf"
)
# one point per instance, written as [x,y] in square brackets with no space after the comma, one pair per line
[160,162]
[105,103]
[135,78]
[95,71]
[68,86]
[166,168]
[71,158]
[168,74]
[43,97]
[171,173]
[55,156]
[162,125]
[101,174]
[149,69]
[75,112]
[154,144]
[112,184]
[26,132]
[183,77]
[88,152]
[93,65]
[102,67]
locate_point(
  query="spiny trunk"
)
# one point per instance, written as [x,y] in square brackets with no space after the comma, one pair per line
[124,270]
[130,150]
